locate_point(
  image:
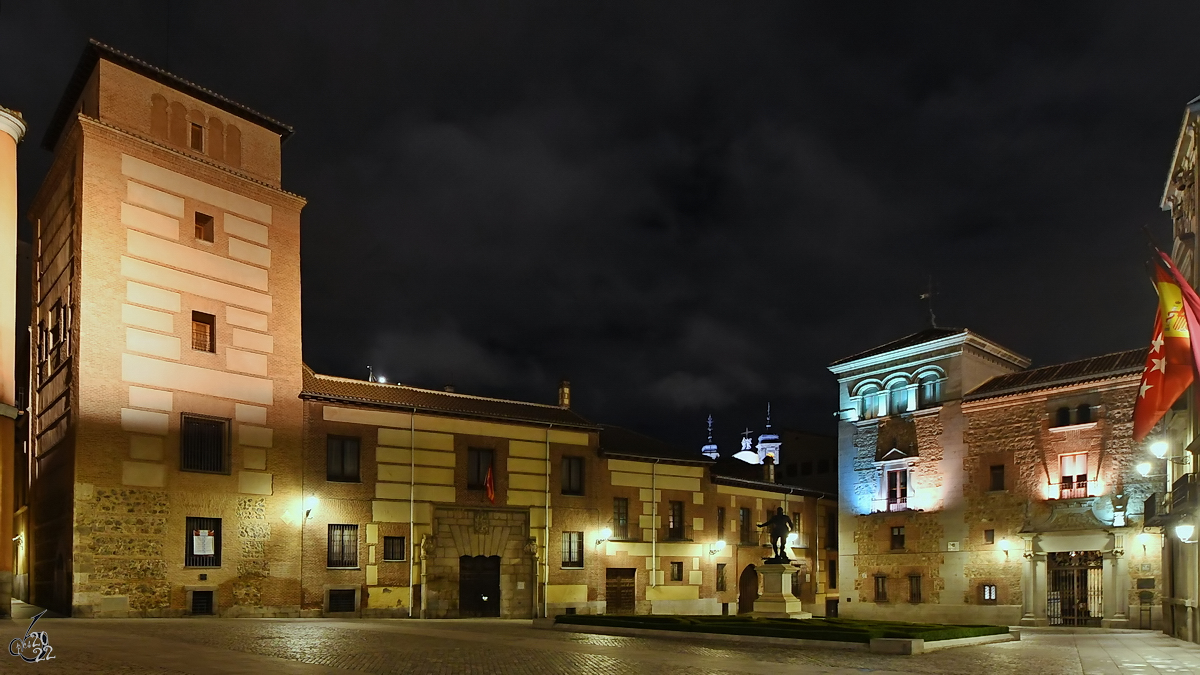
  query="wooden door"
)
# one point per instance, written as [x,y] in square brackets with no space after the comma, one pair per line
[747,590]
[620,593]
[479,586]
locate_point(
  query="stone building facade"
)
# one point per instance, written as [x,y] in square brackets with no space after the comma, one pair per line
[186,461]
[973,489]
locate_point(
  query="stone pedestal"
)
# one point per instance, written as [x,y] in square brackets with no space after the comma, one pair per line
[777,600]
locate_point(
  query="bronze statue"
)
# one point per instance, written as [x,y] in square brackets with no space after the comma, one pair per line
[780,526]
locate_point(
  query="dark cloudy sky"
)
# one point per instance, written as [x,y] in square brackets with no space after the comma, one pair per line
[685,207]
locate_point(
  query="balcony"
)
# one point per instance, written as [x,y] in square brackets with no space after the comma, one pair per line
[1183,495]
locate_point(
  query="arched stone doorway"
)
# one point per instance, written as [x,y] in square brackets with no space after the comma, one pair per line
[747,590]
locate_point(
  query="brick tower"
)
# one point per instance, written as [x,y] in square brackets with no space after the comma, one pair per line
[167,359]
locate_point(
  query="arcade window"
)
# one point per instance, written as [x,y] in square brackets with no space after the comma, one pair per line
[204,332]
[897,538]
[479,464]
[572,475]
[675,521]
[203,545]
[204,227]
[620,517]
[881,589]
[196,137]
[393,549]
[203,444]
[343,546]
[572,549]
[341,459]
[676,571]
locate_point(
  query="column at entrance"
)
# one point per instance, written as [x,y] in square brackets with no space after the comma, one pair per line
[1116,587]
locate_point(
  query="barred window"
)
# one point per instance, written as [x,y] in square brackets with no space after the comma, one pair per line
[204,332]
[676,571]
[393,549]
[203,444]
[202,544]
[914,588]
[720,576]
[341,459]
[343,546]
[675,521]
[620,517]
[572,549]
[479,463]
[572,475]
[749,532]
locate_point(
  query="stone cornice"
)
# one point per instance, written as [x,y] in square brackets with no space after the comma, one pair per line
[12,124]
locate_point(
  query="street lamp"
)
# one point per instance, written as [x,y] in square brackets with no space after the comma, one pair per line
[309,504]
[1185,531]
[1159,449]
[605,535]
[1144,469]
[717,547]
[1004,546]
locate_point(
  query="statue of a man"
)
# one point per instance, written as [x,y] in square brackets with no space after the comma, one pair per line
[780,526]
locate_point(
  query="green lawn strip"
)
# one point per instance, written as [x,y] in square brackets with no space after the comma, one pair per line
[838,630]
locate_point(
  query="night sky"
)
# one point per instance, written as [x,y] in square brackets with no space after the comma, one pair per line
[684,208]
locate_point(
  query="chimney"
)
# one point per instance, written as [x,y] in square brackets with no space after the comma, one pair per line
[769,469]
[564,394]
[449,388]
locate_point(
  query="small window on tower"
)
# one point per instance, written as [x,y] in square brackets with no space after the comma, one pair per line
[196,137]
[204,333]
[204,227]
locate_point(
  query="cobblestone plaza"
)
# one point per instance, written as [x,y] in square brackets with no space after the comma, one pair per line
[170,646]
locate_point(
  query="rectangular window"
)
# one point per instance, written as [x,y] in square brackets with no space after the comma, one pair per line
[996,475]
[914,588]
[831,530]
[832,572]
[676,571]
[721,523]
[393,549]
[204,227]
[479,465]
[675,521]
[572,549]
[343,546]
[989,536]
[620,517]
[881,589]
[341,454]
[897,538]
[987,593]
[1074,476]
[203,444]
[897,490]
[720,576]
[204,332]
[203,545]
[572,475]
[196,137]
[746,525]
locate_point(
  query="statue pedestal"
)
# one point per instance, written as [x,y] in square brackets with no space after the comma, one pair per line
[777,600]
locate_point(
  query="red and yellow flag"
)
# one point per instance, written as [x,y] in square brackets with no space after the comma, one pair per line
[1169,365]
[490,486]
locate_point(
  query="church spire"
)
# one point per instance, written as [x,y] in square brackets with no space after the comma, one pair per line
[710,449]
[768,442]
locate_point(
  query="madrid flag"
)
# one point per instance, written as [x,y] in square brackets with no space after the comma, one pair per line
[1169,365]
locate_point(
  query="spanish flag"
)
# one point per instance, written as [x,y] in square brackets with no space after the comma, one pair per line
[490,486]
[1170,365]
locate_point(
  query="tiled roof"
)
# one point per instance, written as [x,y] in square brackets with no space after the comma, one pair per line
[927,335]
[1085,370]
[96,50]
[732,481]
[399,396]
[622,441]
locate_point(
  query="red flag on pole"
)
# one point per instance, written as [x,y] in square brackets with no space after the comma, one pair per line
[490,486]
[1170,365]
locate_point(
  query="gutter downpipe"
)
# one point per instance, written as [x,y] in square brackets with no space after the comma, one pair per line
[546,536]
[412,535]
[654,526]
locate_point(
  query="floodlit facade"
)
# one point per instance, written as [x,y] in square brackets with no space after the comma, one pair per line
[184,460]
[973,490]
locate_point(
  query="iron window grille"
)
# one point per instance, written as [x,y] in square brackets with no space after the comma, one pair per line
[479,463]
[202,545]
[676,571]
[748,531]
[572,549]
[203,444]
[204,332]
[572,475]
[897,538]
[393,549]
[341,459]
[202,602]
[342,600]
[914,588]
[620,518]
[343,546]
[675,528]
[720,576]
[881,594]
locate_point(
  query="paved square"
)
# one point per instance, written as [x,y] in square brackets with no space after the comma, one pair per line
[303,646]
